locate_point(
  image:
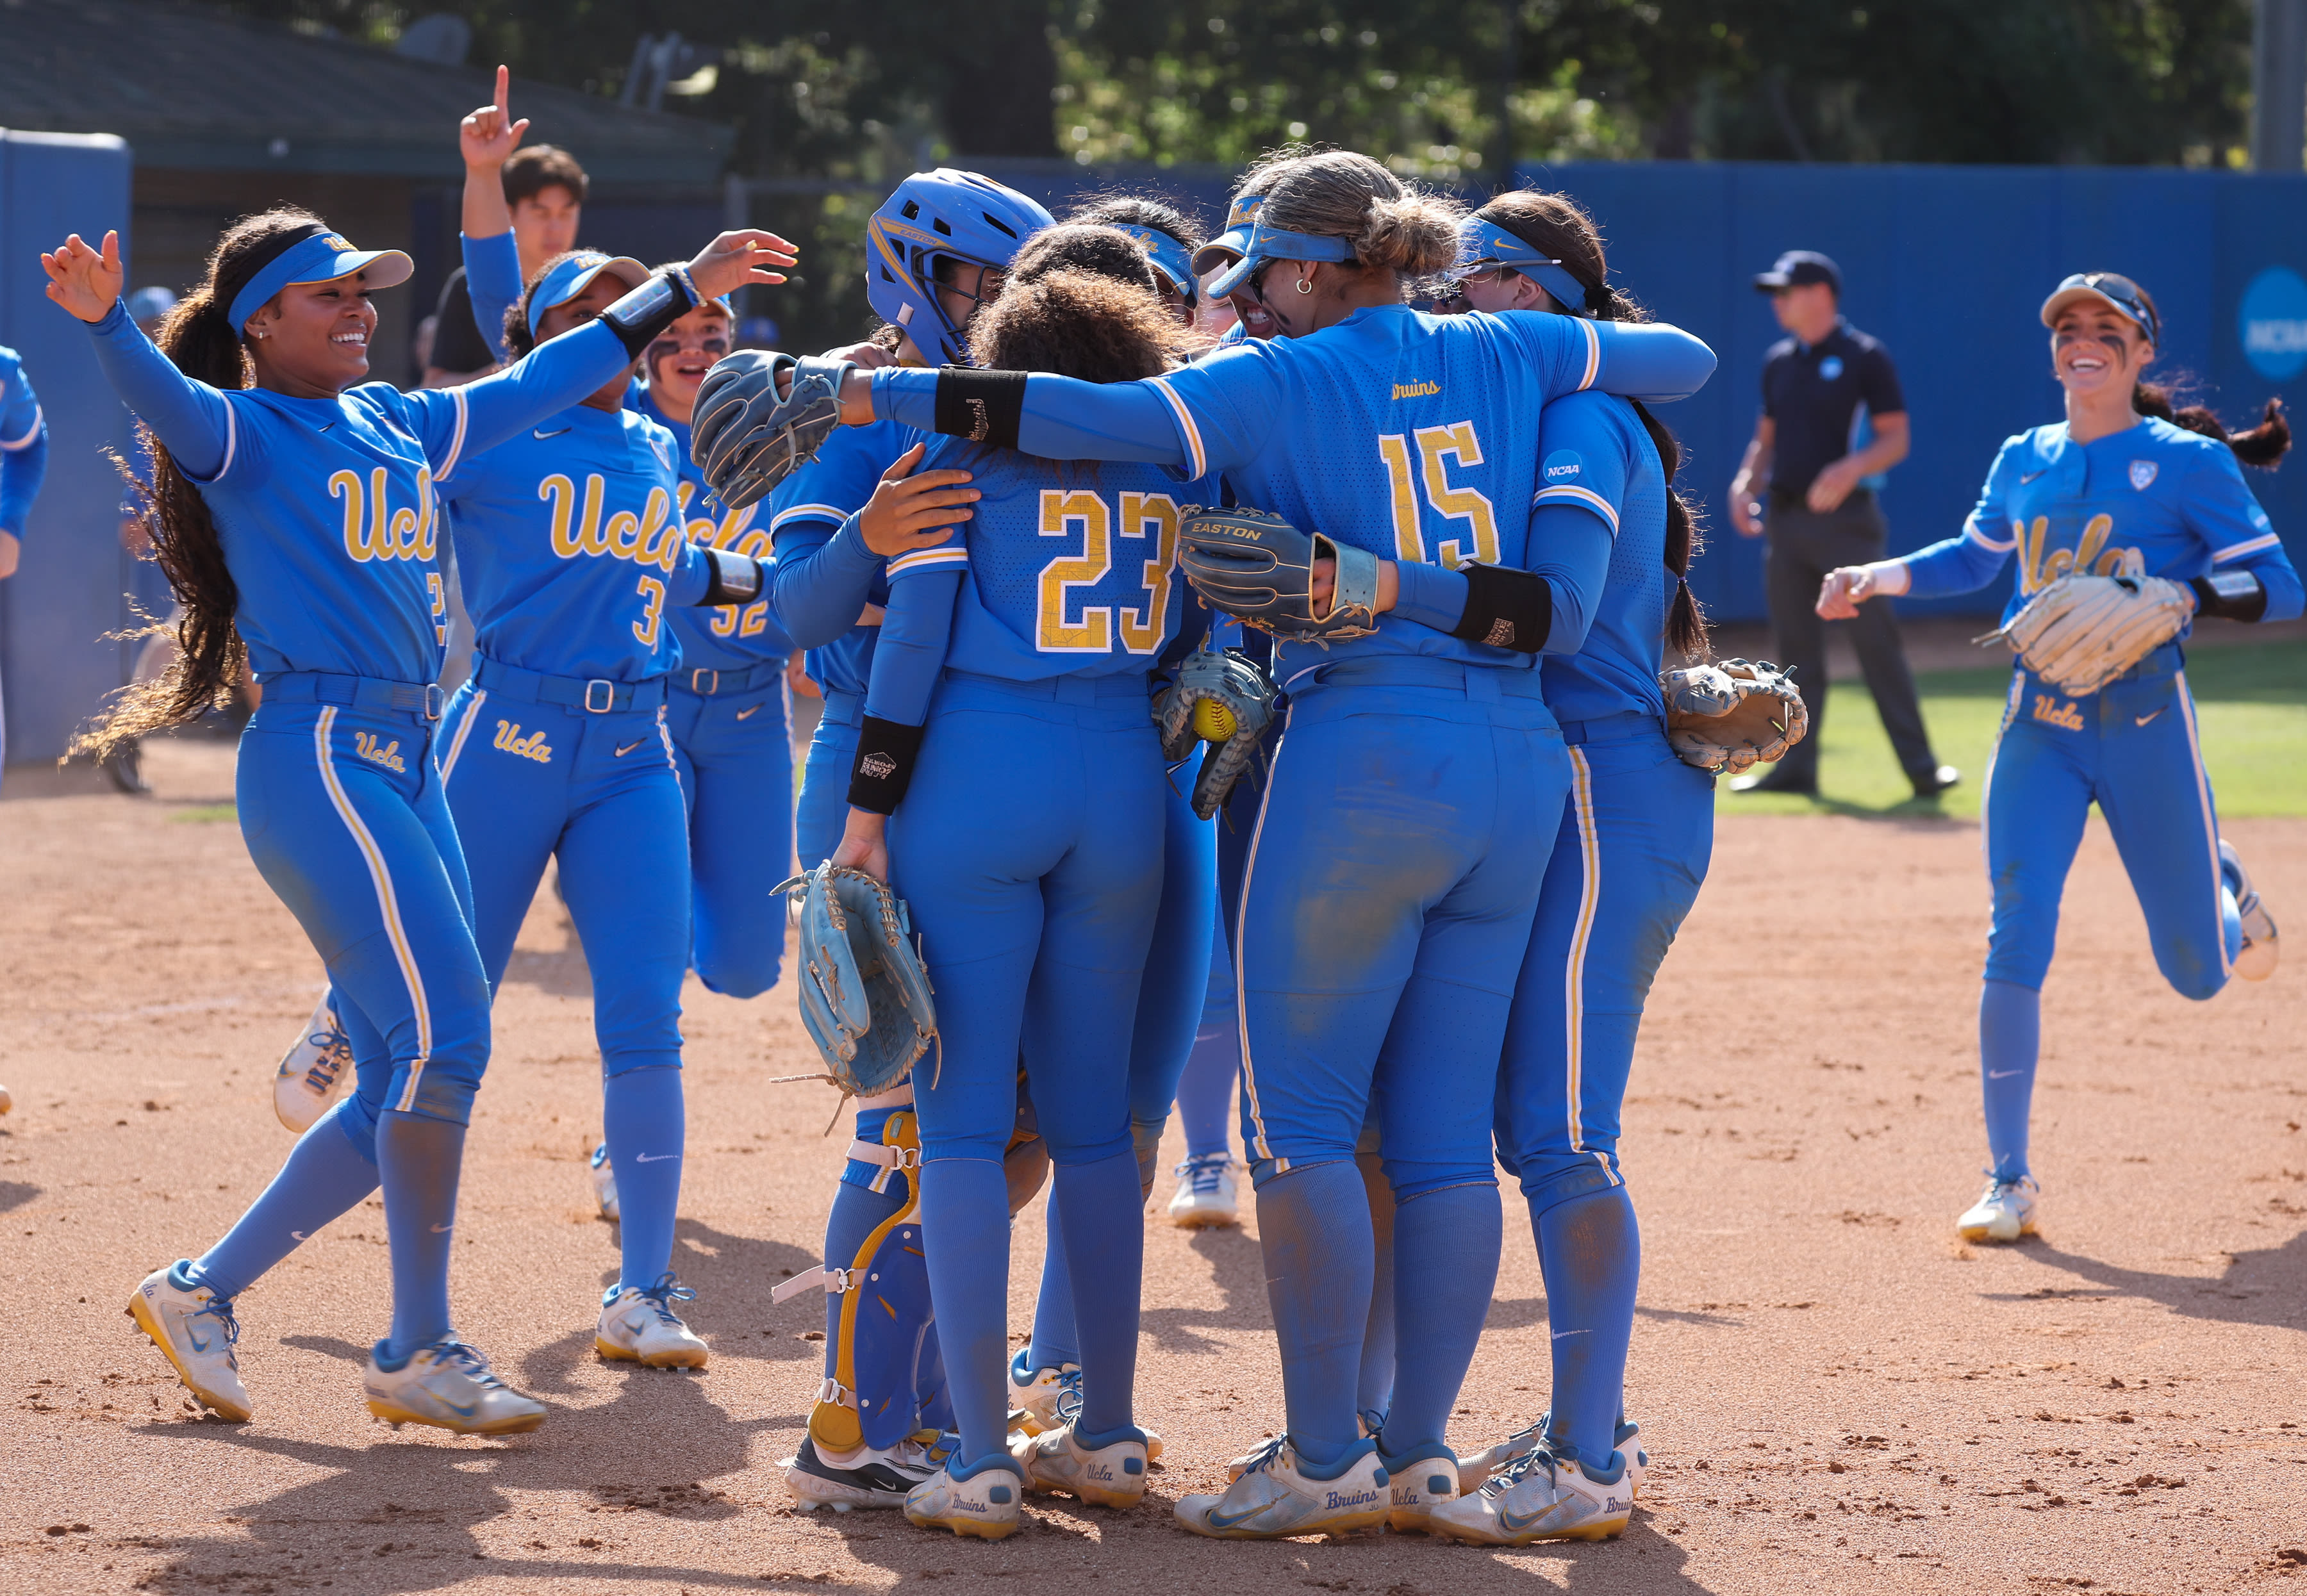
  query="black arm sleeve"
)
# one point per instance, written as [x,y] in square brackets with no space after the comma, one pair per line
[1505,608]
[886,752]
[736,578]
[2230,595]
[984,406]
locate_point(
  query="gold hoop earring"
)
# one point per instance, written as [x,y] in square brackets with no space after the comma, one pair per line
[1305,285]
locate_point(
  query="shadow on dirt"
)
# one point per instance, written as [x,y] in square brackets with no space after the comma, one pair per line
[2267,1286]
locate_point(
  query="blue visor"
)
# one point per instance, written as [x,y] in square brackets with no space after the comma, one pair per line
[572,274]
[323,258]
[1169,259]
[1227,247]
[1486,247]
[1274,244]
[2117,292]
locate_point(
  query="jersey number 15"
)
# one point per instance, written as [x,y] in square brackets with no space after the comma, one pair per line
[1428,448]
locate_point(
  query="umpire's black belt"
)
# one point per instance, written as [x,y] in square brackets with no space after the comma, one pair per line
[424,699]
[596,695]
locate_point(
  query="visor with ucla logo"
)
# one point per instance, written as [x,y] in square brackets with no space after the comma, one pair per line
[304,255]
[1226,248]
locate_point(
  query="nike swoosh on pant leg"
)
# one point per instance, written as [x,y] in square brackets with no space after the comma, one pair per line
[653,1158]
[742,714]
[2143,719]
[628,747]
[2003,1074]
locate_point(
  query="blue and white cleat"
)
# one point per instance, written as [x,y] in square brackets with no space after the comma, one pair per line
[194,1328]
[1421,1487]
[2004,1212]
[1112,1476]
[638,1325]
[865,1476]
[1206,1194]
[450,1386]
[2261,950]
[313,1070]
[1273,1499]
[605,1183]
[1541,1496]
[1033,1393]
[1474,1471]
[984,1506]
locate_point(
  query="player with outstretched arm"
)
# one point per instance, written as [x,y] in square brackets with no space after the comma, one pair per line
[2135,509]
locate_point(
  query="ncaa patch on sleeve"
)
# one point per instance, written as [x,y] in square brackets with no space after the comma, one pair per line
[1563,466]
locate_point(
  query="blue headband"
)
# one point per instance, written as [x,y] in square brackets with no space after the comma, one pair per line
[1483,245]
[323,258]
[1168,257]
[572,274]
[1276,243]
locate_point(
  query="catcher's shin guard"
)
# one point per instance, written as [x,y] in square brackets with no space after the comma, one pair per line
[871,1398]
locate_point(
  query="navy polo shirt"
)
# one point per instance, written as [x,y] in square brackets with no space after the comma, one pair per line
[1816,394]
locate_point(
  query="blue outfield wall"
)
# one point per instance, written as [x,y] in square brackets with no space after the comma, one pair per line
[56,614]
[1949,266]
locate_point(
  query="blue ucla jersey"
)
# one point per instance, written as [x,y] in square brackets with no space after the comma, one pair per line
[726,636]
[2152,500]
[1068,570]
[570,546]
[1409,435]
[19,406]
[808,506]
[1595,454]
[331,527]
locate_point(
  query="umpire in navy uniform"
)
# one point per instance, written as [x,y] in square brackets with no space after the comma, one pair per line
[1832,422]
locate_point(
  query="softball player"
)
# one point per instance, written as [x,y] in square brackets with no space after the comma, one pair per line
[297,520]
[572,549]
[936,250]
[1382,927]
[1636,836]
[2121,487]
[23,463]
[1013,678]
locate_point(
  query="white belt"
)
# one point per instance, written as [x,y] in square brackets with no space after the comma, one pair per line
[832,1281]
[888,1158]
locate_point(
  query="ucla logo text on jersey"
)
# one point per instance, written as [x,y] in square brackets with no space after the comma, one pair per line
[734,531]
[652,537]
[373,529]
[2039,565]
[2050,712]
[531,747]
[365,744]
[1426,389]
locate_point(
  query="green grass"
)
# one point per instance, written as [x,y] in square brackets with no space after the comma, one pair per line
[205,814]
[2250,700]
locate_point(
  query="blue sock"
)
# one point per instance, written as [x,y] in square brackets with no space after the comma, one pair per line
[1374,1390]
[1314,1231]
[965,1223]
[1589,1251]
[2010,1038]
[643,1123]
[1109,1259]
[858,1211]
[1445,1267]
[419,1160]
[1055,1343]
[328,1173]
[1206,1091]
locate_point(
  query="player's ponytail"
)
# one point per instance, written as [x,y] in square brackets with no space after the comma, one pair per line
[201,341]
[1558,228]
[1391,228]
[2263,445]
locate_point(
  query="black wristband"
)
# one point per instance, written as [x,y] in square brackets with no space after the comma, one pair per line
[886,752]
[737,579]
[648,311]
[1505,608]
[2230,595]
[983,407]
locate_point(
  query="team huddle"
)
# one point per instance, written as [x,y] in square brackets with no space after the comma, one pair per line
[1258,678]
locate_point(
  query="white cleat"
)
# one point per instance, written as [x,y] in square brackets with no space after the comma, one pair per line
[984,1506]
[195,1329]
[1474,1471]
[1112,1476]
[2004,1212]
[605,1183]
[1206,1194]
[450,1385]
[313,1072]
[865,1476]
[1273,1499]
[2256,960]
[1420,1488]
[638,1325]
[1538,1497]
[1034,1394]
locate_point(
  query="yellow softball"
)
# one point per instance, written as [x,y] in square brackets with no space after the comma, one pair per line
[1213,722]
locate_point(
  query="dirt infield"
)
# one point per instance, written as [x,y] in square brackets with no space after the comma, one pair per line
[1836,1394]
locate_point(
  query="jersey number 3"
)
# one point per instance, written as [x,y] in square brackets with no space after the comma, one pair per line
[1431,447]
[1151,520]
